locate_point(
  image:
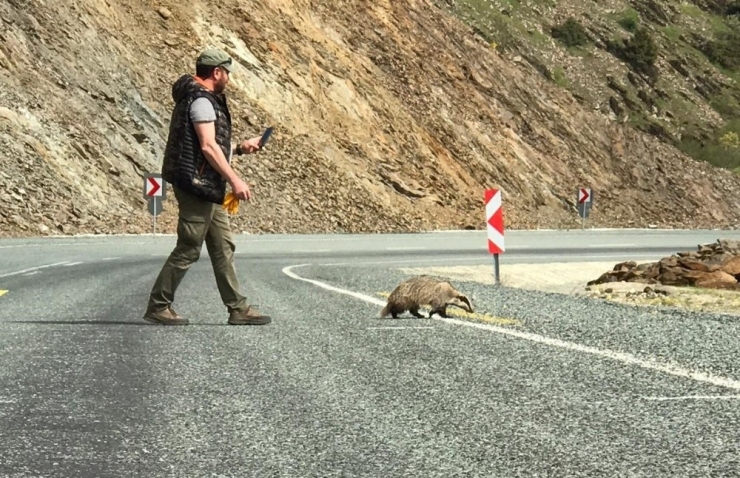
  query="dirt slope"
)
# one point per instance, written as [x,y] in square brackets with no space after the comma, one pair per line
[389,116]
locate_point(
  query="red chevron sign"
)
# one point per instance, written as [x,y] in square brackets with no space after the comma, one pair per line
[494,221]
[154,187]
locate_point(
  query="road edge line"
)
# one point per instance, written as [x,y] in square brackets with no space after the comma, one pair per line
[31,269]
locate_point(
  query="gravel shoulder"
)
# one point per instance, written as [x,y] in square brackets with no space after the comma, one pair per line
[571,278]
[700,340]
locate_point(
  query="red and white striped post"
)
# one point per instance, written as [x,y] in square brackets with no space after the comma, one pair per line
[495,226]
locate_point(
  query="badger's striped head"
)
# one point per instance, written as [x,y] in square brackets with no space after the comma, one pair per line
[463,302]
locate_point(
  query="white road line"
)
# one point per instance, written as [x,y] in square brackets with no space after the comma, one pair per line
[694,397]
[70,244]
[72,264]
[596,246]
[401,327]
[287,271]
[623,357]
[410,248]
[110,258]
[32,273]
[9,274]
[310,251]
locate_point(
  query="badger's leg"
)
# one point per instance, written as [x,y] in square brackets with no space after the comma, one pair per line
[438,307]
[415,312]
[441,311]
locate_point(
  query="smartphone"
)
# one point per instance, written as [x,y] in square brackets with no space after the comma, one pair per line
[265,136]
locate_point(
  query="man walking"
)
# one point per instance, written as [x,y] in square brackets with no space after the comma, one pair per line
[197,163]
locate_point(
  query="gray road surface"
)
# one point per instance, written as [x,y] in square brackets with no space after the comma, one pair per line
[572,388]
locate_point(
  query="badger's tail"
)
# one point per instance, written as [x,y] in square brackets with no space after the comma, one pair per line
[386,310]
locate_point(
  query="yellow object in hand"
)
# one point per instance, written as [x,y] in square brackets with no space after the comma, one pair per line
[231,203]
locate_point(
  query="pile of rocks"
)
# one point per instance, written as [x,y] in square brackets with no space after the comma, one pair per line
[712,266]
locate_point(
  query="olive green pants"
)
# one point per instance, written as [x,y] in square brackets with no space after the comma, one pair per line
[199,221]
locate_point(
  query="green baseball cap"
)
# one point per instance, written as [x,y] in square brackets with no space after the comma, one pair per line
[214,57]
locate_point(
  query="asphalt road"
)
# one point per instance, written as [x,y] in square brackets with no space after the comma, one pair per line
[546,385]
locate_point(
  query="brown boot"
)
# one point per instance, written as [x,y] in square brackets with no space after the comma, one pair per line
[165,317]
[250,316]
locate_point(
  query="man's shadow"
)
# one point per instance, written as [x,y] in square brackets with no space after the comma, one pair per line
[101,322]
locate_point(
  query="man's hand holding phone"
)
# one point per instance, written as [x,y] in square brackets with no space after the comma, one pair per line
[255,144]
[250,145]
[238,186]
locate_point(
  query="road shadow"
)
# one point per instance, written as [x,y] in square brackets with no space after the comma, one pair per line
[401,320]
[106,322]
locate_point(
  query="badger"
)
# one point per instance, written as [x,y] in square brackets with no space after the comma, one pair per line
[419,291]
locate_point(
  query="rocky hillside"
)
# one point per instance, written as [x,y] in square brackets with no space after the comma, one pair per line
[667,68]
[388,116]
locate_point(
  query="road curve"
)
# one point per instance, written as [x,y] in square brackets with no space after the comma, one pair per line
[538,384]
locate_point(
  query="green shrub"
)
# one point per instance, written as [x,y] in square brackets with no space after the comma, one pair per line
[640,52]
[730,140]
[630,20]
[724,50]
[570,33]
[733,8]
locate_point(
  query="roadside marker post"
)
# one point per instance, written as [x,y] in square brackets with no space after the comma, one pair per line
[585,199]
[495,227]
[155,192]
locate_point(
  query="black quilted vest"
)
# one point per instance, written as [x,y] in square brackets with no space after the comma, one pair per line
[184,164]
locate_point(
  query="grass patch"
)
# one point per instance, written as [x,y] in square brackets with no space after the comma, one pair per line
[490,23]
[672,32]
[539,38]
[726,104]
[691,10]
[558,76]
[718,150]
[581,51]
